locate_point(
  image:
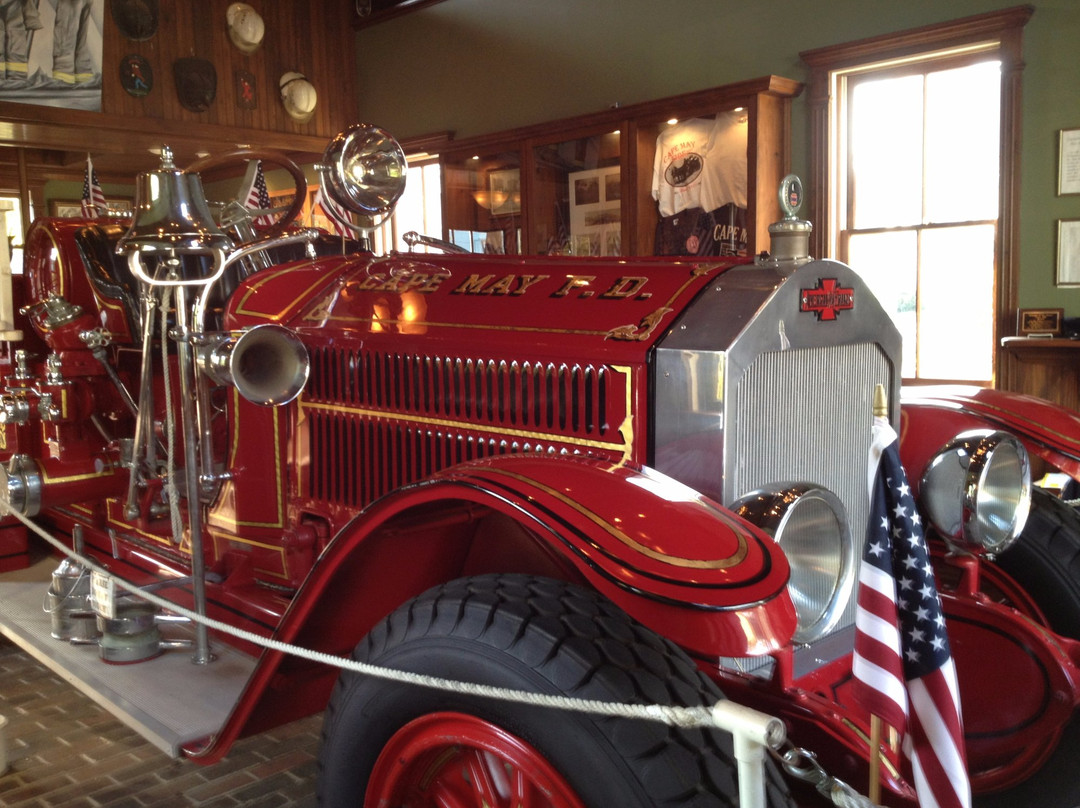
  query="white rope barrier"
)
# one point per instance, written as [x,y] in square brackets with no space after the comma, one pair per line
[760,728]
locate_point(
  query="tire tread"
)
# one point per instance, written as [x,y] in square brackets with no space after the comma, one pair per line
[585,647]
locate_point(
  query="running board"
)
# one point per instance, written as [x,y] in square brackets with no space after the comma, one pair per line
[169,700]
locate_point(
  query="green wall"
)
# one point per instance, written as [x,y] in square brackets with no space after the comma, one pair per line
[477,66]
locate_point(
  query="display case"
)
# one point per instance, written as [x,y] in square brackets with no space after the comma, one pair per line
[695,174]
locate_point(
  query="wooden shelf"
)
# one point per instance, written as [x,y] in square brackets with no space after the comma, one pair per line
[1047,368]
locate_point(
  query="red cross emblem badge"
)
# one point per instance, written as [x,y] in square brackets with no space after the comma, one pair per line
[826,299]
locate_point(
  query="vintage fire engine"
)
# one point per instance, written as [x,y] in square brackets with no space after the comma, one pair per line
[635,481]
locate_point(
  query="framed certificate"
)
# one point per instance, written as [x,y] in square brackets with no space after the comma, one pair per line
[1069,162]
[1068,252]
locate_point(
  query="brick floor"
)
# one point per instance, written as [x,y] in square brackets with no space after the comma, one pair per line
[64,751]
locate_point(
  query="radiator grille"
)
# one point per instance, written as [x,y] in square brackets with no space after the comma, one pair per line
[395,418]
[806,415]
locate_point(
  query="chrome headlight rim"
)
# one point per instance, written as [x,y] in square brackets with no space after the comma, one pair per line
[778,510]
[976,490]
[364,170]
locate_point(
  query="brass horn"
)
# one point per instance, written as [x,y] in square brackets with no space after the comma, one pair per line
[267,364]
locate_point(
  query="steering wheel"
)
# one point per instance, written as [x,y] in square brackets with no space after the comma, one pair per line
[267,156]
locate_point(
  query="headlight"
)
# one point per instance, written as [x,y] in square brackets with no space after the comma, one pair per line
[977,489]
[810,524]
[364,170]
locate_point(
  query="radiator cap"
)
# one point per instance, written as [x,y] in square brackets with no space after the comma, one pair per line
[790,236]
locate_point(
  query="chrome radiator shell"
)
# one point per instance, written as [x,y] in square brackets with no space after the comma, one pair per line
[769,377]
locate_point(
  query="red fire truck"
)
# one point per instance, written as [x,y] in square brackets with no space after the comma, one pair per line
[637,481]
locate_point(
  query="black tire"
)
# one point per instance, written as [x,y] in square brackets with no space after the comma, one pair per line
[546,636]
[1045,561]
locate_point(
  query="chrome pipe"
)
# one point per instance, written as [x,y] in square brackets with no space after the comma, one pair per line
[143,444]
[412,238]
[308,234]
[189,416]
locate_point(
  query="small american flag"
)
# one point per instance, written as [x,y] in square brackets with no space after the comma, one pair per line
[93,198]
[337,215]
[257,197]
[903,669]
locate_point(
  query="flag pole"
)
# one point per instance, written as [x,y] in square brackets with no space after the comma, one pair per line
[874,788]
[881,410]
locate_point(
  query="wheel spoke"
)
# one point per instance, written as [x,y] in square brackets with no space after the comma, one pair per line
[455,760]
[523,792]
[443,794]
[478,773]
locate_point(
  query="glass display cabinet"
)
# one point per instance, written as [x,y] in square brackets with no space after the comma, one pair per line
[693,174]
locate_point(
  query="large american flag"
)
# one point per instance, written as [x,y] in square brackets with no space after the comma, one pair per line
[903,669]
[93,198]
[258,197]
[339,218]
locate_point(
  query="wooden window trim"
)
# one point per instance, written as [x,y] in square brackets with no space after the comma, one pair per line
[1004,27]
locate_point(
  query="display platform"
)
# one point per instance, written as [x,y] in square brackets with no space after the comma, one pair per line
[169,700]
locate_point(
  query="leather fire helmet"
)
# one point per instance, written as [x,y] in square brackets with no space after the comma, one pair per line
[136,19]
[298,95]
[246,28]
[196,82]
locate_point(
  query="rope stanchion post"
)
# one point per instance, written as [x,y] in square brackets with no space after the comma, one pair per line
[753,731]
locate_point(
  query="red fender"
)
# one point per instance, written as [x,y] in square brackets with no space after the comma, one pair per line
[672,559]
[932,415]
[993,645]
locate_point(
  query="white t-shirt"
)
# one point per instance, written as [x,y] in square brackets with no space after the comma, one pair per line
[679,165]
[725,163]
[701,163]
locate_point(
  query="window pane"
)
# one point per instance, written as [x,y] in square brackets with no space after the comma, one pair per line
[420,206]
[432,175]
[578,194]
[962,122]
[886,143]
[956,303]
[482,195]
[888,262]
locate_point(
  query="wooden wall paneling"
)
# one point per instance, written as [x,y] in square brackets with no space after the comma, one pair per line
[642,138]
[315,39]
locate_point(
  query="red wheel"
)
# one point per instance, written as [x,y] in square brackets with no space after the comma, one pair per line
[453,759]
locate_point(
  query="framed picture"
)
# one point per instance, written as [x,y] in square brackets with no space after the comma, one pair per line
[596,211]
[1039,322]
[72,208]
[1068,162]
[1068,252]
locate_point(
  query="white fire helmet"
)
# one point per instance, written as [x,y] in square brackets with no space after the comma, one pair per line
[246,27]
[298,95]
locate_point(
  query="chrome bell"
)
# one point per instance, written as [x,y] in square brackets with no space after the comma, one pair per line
[171,213]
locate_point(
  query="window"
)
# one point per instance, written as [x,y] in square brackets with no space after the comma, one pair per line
[920,183]
[912,182]
[11,227]
[419,209]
